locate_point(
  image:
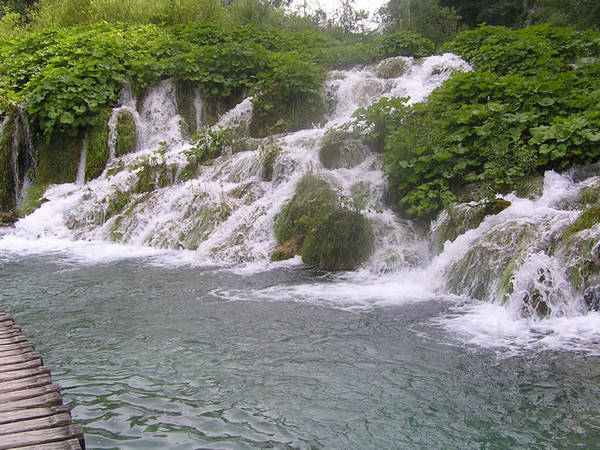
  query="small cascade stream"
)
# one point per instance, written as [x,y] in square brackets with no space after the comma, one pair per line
[154,201]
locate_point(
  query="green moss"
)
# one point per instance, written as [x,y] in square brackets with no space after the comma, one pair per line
[7,183]
[97,147]
[314,225]
[33,199]
[313,200]
[268,154]
[184,96]
[117,203]
[154,175]
[590,195]
[587,219]
[391,68]
[343,241]
[287,250]
[58,158]
[126,133]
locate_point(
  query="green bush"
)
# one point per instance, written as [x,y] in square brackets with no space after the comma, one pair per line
[506,119]
[289,97]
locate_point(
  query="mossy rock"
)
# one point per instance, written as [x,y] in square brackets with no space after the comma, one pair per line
[58,158]
[313,200]
[154,176]
[342,241]
[33,199]
[586,220]
[7,179]
[7,219]
[97,151]
[326,235]
[391,67]
[462,217]
[184,96]
[287,250]
[341,150]
[126,133]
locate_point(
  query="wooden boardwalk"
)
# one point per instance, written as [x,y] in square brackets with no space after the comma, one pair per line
[32,414]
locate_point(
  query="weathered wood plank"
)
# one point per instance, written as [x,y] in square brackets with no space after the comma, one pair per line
[13,340]
[10,332]
[50,399]
[24,365]
[19,348]
[37,437]
[36,380]
[31,413]
[23,373]
[71,444]
[15,396]
[57,420]
[12,360]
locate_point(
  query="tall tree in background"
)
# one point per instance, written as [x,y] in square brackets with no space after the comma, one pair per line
[427,17]
[348,18]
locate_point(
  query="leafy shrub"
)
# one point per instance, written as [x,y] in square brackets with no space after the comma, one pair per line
[293,89]
[489,127]
[526,51]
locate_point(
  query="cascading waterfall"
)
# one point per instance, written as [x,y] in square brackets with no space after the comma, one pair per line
[80,178]
[18,154]
[225,211]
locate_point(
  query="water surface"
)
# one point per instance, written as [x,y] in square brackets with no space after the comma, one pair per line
[150,356]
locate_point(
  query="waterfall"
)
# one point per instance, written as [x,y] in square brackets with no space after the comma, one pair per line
[520,259]
[80,178]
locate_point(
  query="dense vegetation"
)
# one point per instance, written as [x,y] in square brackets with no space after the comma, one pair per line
[532,103]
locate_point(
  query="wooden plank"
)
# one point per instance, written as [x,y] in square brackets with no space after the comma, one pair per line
[55,421]
[12,340]
[20,348]
[11,360]
[31,413]
[24,365]
[10,332]
[36,380]
[23,373]
[71,444]
[50,399]
[15,396]
[37,437]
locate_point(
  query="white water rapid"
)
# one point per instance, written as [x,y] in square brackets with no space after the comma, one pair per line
[223,213]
